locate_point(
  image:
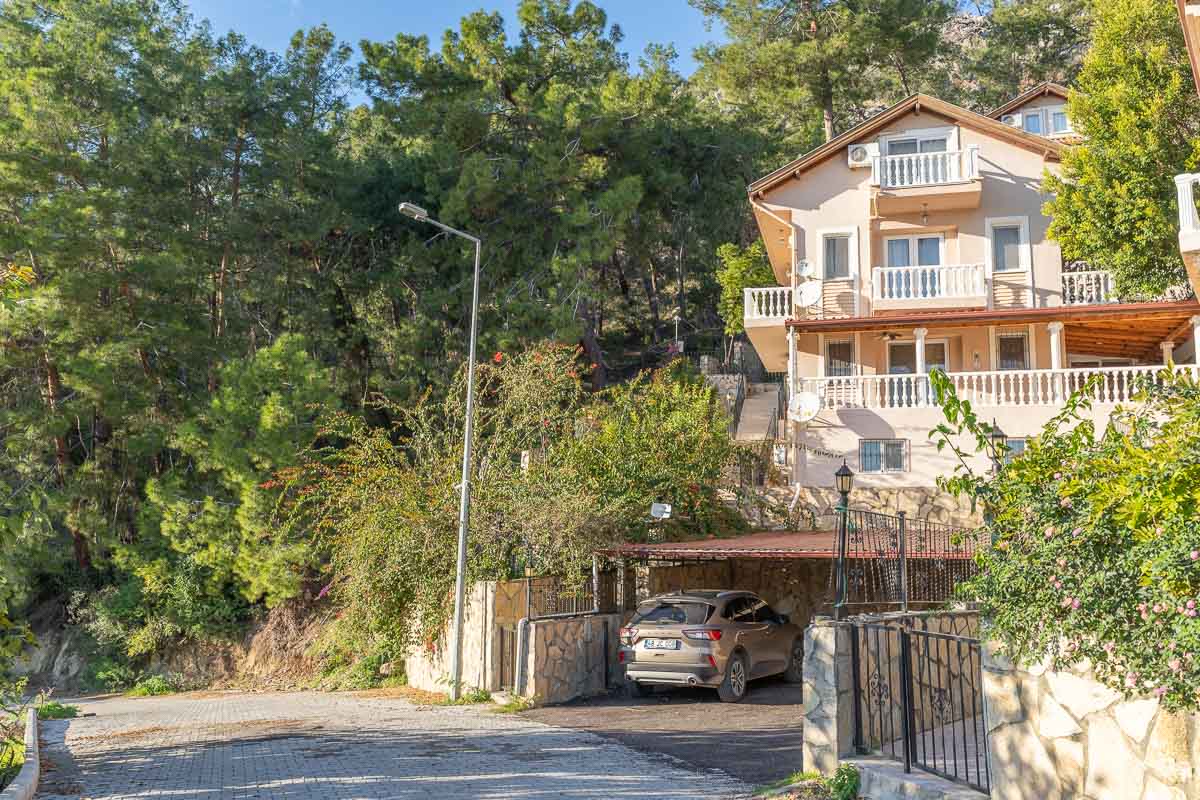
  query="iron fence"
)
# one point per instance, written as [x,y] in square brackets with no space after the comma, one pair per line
[918,697]
[552,596]
[887,560]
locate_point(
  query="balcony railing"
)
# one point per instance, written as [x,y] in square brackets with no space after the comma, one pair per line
[943,281]
[773,303]
[999,388]
[925,169]
[1087,288]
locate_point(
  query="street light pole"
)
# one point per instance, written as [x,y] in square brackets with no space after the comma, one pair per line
[464,506]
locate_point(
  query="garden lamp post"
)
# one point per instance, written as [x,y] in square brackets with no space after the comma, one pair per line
[843,481]
[464,507]
[999,440]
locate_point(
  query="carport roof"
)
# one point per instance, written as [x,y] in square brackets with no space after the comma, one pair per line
[767,544]
[770,544]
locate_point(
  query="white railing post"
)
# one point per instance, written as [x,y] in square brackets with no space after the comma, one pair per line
[876,172]
[972,162]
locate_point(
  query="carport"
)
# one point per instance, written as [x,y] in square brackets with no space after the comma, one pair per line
[790,570]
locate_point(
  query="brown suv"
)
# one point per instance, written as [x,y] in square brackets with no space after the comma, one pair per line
[709,638]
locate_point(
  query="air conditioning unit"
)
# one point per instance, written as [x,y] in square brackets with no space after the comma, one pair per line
[1011,119]
[862,155]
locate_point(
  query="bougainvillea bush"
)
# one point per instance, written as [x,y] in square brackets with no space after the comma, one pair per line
[1096,540]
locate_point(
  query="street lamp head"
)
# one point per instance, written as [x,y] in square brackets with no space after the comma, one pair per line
[999,438]
[414,211]
[844,479]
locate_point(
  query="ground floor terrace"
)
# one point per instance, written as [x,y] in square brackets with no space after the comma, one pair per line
[865,381]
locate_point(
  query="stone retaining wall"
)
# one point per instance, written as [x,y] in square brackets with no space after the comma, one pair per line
[1062,735]
[572,657]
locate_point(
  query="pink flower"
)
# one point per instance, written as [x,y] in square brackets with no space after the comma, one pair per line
[1058,476]
[1049,531]
[1077,532]
[1196,555]
[1053,578]
[1075,603]
[1191,603]
[1066,601]
[1058,584]
[1158,609]
[1191,612]
[1175,664]
[1131,680]
[1159,691]
[1109,647]
[1065,502]
[1062,562]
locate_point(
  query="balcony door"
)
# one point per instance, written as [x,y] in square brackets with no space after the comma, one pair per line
[902,360]
[913,251]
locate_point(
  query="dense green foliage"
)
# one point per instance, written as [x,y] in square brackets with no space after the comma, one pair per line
[1114,204]
[557,473]
[207,294]
[1096,536]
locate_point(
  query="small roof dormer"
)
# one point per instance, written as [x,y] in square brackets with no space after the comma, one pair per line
[1041,111]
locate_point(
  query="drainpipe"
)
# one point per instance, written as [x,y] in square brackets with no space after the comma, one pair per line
[595,584]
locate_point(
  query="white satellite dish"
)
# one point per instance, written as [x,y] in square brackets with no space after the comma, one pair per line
[804,407]
[805,269]
[809,294]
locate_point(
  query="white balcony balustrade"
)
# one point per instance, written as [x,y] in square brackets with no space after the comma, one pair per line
[892,286]
[1088,288]
[1189,219]
[925,169]
[770,304]
[988,389]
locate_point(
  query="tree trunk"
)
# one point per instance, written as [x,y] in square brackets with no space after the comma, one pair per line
[62,460]
[591,346]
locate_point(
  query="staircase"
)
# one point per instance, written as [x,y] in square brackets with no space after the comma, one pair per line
[761,410]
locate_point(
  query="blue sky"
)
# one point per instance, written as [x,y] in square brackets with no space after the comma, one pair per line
[270,23]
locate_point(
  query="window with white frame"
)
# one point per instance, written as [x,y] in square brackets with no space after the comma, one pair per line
[920,142]
[883,455]
[908,251]
[839,358]
[1008,244]
[837,255]
[1012,350]
[1059,121]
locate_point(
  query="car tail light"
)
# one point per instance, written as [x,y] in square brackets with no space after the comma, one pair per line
[713,661]
[711,634]
[620,656]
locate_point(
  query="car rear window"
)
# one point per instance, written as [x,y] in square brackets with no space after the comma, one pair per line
[671,613]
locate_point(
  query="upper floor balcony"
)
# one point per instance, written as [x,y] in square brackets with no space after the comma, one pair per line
[926,181]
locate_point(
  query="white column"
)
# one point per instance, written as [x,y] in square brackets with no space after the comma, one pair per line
[1188,219]
[919,381]
[1196,339]
[1168,350]
[1055,330]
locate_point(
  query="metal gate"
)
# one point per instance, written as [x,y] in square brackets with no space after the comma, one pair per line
[506,636]
[918,695]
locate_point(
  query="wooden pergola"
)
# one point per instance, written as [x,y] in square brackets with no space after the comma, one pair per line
[1117,330]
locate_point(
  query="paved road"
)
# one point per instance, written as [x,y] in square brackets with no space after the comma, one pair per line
[758,740]
[301,746]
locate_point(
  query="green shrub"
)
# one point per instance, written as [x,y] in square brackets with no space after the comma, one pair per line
[154,685]
[1096,536]
[109,675]
[844,783]
[52,709]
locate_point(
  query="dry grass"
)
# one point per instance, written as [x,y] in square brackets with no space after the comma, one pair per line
[418,697]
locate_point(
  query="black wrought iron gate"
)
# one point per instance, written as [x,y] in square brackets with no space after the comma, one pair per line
[918,694]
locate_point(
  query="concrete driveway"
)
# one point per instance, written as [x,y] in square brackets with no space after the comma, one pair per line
[757,741]
[313,746]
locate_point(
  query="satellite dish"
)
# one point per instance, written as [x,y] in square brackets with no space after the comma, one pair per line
[809,294]
[805,269]
[804,407]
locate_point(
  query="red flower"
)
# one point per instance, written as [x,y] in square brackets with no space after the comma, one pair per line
[498,357]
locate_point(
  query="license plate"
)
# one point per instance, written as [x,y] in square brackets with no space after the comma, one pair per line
[662,644]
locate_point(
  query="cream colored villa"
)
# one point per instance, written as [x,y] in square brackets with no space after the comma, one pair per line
[917,240]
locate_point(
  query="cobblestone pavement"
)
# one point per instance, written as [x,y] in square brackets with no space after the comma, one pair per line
[300,746]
